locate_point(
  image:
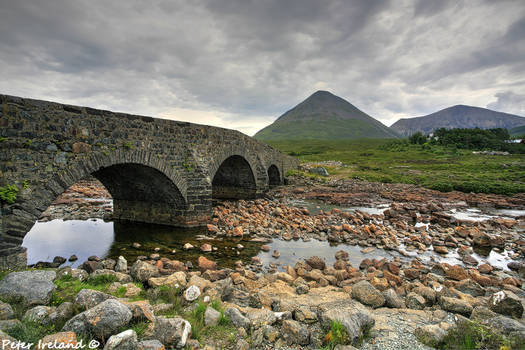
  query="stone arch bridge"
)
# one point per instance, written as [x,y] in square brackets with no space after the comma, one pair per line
[157,170]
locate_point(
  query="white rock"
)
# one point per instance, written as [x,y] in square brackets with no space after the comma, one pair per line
[192,293]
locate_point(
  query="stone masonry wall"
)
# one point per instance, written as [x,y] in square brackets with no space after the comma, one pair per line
[164,168]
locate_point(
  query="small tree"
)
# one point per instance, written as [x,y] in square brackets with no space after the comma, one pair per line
[417,139]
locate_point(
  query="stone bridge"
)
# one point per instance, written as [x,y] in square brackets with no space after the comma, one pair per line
[157,170]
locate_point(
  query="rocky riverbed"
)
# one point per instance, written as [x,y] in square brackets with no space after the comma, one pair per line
[399,277]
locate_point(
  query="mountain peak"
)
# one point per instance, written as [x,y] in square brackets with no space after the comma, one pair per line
[458,116]
[324,115]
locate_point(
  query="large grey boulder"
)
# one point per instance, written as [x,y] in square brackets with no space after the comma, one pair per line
[457,306]
[294,332]
[261,317]
[142,271]
[367,294]
[100,321]
[172,332]
[237,318]
[506,325]
[211,316]
[506,303]
[88,298]
[126,340]
[38,314]
[431,335]
[28,287]
[352,315]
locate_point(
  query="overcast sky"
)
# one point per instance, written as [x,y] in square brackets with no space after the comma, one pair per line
[240,64]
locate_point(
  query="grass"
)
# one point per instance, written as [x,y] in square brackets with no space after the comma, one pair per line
[30,332]
[434,167]
[472,335]
[68,287]
[336,335]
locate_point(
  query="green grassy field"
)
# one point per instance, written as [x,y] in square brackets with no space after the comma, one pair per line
[435,167]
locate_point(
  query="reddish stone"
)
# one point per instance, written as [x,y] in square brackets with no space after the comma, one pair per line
[238,231]
[206,264]
[412,274]
[456,272]
[212,228]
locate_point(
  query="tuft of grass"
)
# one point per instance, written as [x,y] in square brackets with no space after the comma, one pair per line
[68,287]
[336,335]
[30,332]
[472,335]
[127,145]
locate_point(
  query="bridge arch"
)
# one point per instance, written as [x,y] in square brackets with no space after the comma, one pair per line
[143,189]
[274,175]
[234,178]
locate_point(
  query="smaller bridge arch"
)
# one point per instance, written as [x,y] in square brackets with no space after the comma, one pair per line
[274,175]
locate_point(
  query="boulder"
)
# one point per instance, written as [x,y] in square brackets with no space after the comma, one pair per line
[415,301]
[200,282]
[28,287]
[102,320]
[142,271]
[206,264]
[153,344]
[38,314]
[141,310]
[6,311]
[237,318]
[126,340]
[177,279]
[367,294]
[431,335]
[61,340]
[457,306]
[506,303]
[261,317]
[352,315]
[471,287]
[88,298]
[192,293]
[393,300]
[507,326]
[294,332]
[172,332]
[316,262]
[211,316]
[121,265]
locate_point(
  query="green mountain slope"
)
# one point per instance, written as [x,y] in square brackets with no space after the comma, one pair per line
[517,131]
[324,116]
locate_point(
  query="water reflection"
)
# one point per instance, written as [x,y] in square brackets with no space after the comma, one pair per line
[83,238]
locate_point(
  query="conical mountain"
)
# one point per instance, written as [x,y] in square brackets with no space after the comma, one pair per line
[459,116]
[324,116]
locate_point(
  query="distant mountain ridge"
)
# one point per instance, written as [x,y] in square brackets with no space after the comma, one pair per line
[324,116]
[459,116]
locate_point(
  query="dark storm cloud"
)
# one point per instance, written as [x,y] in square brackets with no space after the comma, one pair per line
[242,63]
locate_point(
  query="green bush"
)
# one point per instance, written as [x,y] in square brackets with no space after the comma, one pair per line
[9,194]
[336,335]
[442,186]
[417,139]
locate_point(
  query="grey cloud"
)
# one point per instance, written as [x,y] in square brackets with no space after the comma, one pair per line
[256,59]
[510,102]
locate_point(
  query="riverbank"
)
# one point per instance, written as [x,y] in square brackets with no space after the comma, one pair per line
[414,262]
